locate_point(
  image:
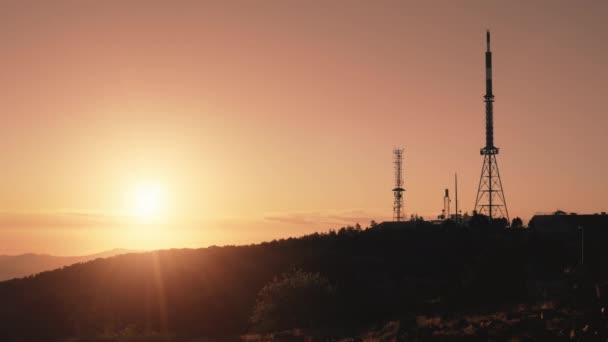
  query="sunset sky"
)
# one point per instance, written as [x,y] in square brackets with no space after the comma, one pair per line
[244,121]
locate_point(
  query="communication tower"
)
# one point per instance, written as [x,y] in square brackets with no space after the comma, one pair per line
[398,190]
[490,199]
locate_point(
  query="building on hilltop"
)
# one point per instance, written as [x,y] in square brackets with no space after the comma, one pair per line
[561,222]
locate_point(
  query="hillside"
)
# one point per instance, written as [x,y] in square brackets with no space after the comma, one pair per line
[374,275]
[17,266]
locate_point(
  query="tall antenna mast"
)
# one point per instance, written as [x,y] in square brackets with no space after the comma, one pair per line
[490,199]
[398,189]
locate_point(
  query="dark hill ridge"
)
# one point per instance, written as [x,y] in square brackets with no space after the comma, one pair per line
[378,274]
[17,266]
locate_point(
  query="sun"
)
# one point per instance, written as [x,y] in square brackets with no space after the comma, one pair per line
[148,201]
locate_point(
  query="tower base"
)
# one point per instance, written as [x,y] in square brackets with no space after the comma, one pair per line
[490,196]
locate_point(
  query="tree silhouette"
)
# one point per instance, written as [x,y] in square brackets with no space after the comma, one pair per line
[296,299]
[517,223]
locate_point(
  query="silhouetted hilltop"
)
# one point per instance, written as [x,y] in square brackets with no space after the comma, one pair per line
[354,277]
[17,266]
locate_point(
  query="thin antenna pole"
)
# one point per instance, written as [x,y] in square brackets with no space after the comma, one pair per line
[456,194]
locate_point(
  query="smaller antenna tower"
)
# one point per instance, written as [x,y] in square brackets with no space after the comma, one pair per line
[446,204]
[398,190]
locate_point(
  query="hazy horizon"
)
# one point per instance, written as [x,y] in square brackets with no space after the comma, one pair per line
[189,124]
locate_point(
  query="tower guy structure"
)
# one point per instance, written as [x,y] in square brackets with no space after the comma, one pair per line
[398,189]
[490,199]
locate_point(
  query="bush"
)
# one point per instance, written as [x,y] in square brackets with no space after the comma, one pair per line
[296,299]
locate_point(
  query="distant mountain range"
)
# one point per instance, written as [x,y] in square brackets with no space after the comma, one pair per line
[17,266]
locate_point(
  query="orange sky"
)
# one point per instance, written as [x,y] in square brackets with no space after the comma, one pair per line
[272,119]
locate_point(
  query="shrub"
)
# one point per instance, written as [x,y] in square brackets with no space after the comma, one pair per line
[296,299]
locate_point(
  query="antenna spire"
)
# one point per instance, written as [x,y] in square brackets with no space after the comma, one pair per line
[488,40]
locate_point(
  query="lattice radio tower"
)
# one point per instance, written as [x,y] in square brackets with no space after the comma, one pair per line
[398,190]
[490,196]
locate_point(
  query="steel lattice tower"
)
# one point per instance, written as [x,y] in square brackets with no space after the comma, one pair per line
[490,195]
[398,189]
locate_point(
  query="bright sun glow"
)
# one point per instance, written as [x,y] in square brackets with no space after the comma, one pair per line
[148,201]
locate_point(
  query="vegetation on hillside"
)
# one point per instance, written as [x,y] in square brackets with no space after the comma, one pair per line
[340,282]
[279,304]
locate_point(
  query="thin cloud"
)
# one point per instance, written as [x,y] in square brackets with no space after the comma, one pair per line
[294,218]
[329,219]
[59,219]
